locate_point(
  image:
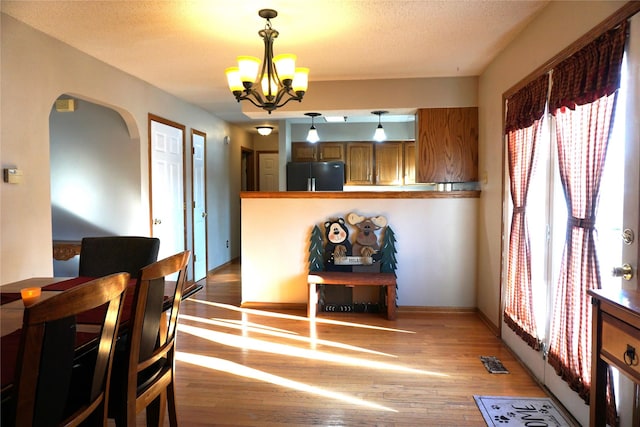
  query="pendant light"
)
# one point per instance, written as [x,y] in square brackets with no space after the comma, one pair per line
[379,135]
[313,136]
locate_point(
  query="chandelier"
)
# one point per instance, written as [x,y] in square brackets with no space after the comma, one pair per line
[280,80]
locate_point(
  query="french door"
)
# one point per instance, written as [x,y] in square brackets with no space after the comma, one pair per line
[617,230]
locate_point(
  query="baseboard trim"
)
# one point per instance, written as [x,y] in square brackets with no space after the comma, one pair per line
[493,328]
[425,309]
[235,260]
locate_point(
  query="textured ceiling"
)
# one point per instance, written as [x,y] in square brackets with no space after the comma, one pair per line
[184,46]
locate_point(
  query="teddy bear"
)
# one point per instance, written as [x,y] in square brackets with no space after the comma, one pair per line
[366,244]
[337,245]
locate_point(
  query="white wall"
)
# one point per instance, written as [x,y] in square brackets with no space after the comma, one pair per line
[36,70]
[354,132]
[436,246]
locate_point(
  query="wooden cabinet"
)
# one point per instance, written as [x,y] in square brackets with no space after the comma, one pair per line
[330,151]
[409,163]
[447,145]
[304,152]
[388,166]
[615,342]
[366,163]
[320,152]
[359,165]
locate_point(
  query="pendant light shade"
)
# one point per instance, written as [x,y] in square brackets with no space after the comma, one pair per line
[379,134]
[313,136]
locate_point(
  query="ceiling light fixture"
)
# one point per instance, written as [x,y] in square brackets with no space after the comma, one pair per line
[313,136]
[264,130]
[280,79]
[379,135]
[335,119]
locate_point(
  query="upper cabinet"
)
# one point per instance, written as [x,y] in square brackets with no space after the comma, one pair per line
[409,163]
[304,152]
[359,166]
[319,152]
[388,163]
[447,149]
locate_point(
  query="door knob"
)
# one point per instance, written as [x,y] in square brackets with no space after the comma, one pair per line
[626,272]
[157,221]
[204,214]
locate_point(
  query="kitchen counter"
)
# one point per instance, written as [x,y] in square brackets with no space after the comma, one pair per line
[436,234]
[359,194]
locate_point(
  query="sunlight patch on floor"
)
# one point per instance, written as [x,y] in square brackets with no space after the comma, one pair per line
[302,318]
[274,332]
[248,343]
[244,371]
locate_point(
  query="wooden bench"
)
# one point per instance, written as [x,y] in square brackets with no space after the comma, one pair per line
[351,279]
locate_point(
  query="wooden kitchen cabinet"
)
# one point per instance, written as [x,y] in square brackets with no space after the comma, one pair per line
[409,163]
[303,152]
[359,165]
[447,149]
[319,152]
[331,151]
[388,158]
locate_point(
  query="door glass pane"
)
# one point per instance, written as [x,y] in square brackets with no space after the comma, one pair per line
[610,209]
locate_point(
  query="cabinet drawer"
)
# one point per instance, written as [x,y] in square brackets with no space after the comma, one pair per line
[617,338]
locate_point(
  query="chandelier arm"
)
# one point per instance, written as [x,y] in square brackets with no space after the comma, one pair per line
[299,99]
[246,98]
[246,95]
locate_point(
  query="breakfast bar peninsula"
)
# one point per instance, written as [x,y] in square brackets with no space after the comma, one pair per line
[436,234]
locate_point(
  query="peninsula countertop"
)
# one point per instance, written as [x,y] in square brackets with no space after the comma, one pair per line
[456,194]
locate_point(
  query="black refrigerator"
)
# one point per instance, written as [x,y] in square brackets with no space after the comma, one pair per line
[315,176]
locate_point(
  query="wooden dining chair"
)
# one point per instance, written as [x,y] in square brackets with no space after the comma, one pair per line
[100,256]
[48,348]
[143,374]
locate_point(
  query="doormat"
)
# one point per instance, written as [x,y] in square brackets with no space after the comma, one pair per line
[493,365]
[520,411]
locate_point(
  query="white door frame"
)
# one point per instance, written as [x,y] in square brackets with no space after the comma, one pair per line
[199,196]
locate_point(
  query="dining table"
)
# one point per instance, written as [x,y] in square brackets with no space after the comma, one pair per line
[12,312]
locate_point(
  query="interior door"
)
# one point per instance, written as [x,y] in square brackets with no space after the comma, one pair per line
[167,185]
[268,172]
[199,212]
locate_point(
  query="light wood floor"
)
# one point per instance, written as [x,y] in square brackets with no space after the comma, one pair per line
[254,368]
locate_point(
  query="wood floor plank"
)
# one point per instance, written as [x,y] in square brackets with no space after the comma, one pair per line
[252,368]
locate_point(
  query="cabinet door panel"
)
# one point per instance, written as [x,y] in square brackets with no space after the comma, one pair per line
[331,151]
[447,145]
[303,152]
[359,163]
[389,163]
[409,163]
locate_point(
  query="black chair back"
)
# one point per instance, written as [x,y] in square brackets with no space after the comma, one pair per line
[100,256]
